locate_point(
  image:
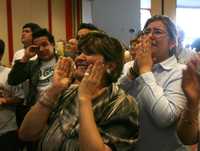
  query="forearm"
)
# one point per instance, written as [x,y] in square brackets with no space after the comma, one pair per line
[36,119]
[7,96]
[34,123]
[12,100]
[18,74]
[188,127]
[89,136]
[163,104]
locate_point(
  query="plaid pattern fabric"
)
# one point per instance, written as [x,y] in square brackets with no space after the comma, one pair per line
[116,116]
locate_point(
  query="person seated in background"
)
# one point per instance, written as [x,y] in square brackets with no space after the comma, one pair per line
[84,29]
[37,72]
[8,125]
[127,56]
[71,48]
[21,89]
[182,53]
[26,39]
[188,124]
[71,45]
[40,71]
[156,85]
[89,113]
[196,45]
[132,51]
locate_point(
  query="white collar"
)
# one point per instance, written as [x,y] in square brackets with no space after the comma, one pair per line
[167,64]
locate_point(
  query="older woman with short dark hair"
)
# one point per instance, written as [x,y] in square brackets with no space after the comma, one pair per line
[83,109]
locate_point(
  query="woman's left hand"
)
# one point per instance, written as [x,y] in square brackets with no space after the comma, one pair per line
[91,84]
[191,81]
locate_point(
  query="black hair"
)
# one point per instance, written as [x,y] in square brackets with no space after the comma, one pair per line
[2,47]
[109,47]
[87,26]
[33,26]
[135,39]
[43,32]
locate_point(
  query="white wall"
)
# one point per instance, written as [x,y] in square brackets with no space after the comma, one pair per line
[117,17]
[31,12]
[58,19]
[24,11]
[3,29]
[87,11]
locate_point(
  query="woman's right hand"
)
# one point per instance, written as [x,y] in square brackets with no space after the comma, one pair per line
[63,72]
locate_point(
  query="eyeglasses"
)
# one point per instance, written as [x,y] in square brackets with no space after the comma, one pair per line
[155,32]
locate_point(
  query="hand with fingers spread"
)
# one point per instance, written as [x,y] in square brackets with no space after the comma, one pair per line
[144,55]
[191,81]
[62,74]
[91,85]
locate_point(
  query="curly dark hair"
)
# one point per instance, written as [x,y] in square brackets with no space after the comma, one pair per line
[33,26]
[87,26]
[43,32]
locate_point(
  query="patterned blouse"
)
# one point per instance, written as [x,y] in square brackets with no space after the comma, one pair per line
[116,116]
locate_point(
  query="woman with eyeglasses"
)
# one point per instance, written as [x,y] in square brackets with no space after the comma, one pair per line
[156,85]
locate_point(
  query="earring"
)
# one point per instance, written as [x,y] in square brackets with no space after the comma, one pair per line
[108,71]
[172,51]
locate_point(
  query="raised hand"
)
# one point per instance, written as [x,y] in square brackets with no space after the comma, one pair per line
[144,54]
[191,81]
[62,76]
[92,83]
[30,52]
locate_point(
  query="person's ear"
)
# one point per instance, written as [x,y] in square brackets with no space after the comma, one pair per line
[173,44]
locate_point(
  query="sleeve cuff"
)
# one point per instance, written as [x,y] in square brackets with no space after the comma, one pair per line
[147,78]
